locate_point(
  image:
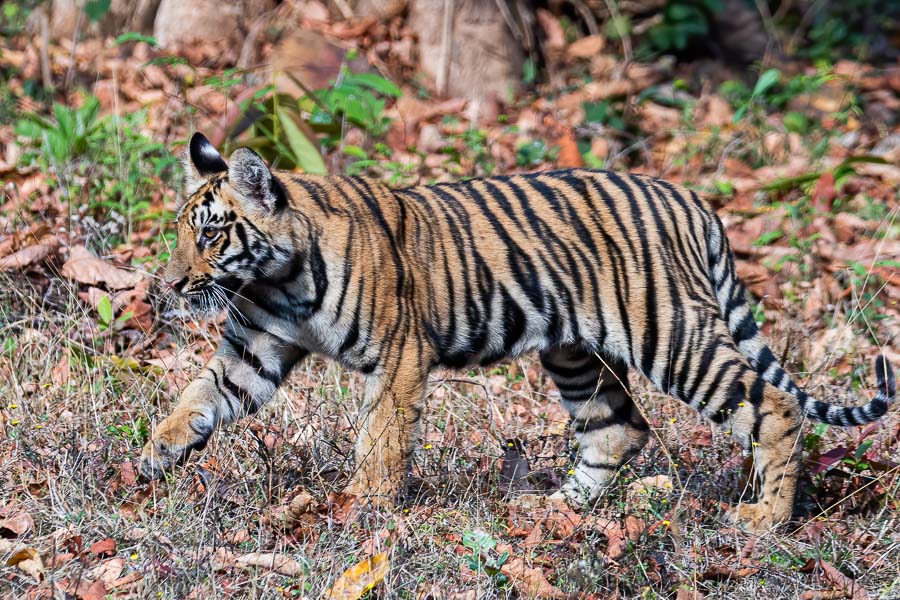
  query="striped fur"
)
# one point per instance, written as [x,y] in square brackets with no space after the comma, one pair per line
[599,272]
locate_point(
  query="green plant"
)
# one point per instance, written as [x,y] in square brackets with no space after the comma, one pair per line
[105,161]
[533,153]
[681,22]
[105,320]
[287,130]
[135,434]
[483,558]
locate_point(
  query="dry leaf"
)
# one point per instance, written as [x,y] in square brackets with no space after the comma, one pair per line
[30,254]
[108,571]
[84,267]
[360,578]
[529,581]
[105,547]
[586,47]
[848,587]
[274,561]
[29,561]
[15,522]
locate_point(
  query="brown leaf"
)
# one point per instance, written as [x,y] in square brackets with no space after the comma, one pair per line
[84,267]
[108,571]
[823,193]
[274,561]
[586,47]
[360,578]
[105,547]
[30,254]
[529,581]
[569,155]
[88,590]
[15,522]
[848,587]
[29,561]
[556,37]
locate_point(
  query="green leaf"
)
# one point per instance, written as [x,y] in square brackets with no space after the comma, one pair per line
[104,310]
[478,541]
[374,82]
[768,237]
[766,81]
[96,9]
[355,151]
[133,36]
[307,155]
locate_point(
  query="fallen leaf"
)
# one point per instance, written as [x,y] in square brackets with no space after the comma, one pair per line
[555,35]
[15,522]
[103,548]
[274,561]
[586,47]
[360,578]
[29,561]
[108,571]
[30,254]
[848,587]
[84,267]
[569,155]
[529,581]
[88,590]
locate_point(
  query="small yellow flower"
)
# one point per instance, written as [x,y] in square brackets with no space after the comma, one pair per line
[728,432]
[38,426]
[134,556]
[13,406]
[742,404]
[571,471]
[509,444]
[672,420]
[14,421]
[666,523]
[428,446]
[675,465]
[755,444]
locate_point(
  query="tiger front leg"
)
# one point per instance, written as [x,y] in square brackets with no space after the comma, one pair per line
[389,423]
[239,379]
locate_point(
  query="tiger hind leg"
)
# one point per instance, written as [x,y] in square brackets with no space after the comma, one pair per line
[757,415]
[609,428]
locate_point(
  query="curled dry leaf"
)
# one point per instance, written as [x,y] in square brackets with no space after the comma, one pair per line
[848,587]
[29,561]
[105,547]
[14,522]
[529,581]
[274,561]
[360,578]
[587,47]
[29,255]
[84,267]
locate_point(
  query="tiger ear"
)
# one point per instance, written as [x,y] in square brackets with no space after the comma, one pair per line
[250,177]
[201,160]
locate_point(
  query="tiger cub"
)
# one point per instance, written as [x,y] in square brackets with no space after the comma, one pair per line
[599,272]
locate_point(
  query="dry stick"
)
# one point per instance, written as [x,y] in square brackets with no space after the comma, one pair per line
[586,15]
[443,74]
[345,9]
[45,51]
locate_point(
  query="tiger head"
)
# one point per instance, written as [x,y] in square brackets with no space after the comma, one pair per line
[232,227]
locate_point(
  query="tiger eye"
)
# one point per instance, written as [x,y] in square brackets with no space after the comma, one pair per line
[210,232]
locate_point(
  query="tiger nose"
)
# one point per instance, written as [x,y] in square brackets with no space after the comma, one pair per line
[175,284]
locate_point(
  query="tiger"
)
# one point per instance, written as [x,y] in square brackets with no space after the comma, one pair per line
[598,272]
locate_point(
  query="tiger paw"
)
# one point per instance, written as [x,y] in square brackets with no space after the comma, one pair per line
[756,518]
[172,443]
[576,494]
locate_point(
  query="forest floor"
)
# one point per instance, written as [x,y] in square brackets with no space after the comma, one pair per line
[801,165]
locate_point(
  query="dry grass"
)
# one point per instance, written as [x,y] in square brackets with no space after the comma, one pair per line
[68,460]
